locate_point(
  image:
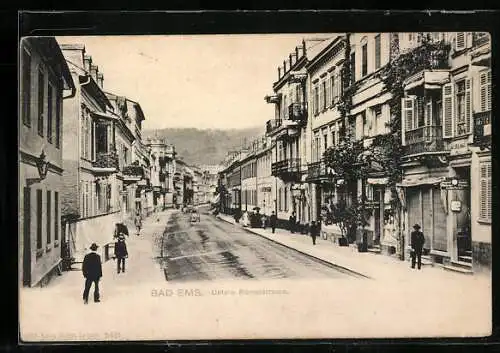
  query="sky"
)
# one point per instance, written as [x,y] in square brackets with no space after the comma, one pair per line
[201,81]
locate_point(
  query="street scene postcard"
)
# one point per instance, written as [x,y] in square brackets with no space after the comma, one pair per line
[255,186]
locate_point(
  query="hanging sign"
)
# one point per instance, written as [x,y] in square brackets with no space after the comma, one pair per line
[456,206]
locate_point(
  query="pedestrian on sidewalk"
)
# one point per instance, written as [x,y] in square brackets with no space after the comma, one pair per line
[120,228]
[313,231]
[272,221]
[92,271]
[121,253]
[292,222]
[138,223]
[417,244]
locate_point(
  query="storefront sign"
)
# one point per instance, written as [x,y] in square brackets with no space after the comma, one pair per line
[455,184]
[459,147]
[265,189]
[456,206]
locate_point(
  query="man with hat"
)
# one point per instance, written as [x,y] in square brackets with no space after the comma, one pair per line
[417,243]
[92,271]
[121,253]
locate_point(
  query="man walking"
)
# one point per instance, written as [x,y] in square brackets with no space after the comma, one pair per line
[313,231]
[272,221]
[92,271]
[121,253]
[417,243]
[292,222]
[138,223]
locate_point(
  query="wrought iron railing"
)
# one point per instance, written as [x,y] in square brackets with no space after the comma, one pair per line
[482,127]
[297,112]
[272,125]
[317,170]
[424,139]
[291,165]
[106,160]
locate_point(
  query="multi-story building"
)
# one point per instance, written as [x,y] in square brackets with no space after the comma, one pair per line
[92,186]
[446,119]
[45,82]
[162,172]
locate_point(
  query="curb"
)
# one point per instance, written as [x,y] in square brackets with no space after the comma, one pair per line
[326,262]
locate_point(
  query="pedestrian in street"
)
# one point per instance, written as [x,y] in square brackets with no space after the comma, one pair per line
[417,244]
[292,222]
[121,253]
[272,221]
[92,271]
[120,228]
[313,231]
[138,223]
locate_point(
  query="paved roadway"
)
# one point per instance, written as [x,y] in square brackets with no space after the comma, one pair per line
[213,249]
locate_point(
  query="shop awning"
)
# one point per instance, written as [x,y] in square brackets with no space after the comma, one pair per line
[377,181]
[427,79]
[421,181]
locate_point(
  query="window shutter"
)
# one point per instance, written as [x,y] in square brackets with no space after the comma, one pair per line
[485,91]
[468,108]
[407,115]
[460,41]
[448,110]
[485,190]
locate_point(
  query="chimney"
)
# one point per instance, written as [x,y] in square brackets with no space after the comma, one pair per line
[290,56]
[93,72]
[297,53]
[279,72]
[284,66]
[87,60]
[100,80]
[304,47]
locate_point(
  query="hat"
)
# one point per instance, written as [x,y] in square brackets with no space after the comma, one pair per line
[93,247]
[121,236]
[416,226]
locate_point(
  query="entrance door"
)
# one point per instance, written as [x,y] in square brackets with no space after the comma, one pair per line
[378,203]
[319,192]
[463,232]
[27,237]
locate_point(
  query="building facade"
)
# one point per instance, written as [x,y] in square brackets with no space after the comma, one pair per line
[45,82]
[162,172]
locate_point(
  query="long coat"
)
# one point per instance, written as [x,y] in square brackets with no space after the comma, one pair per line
[272,220]
[92,268]
[121,249]
[417,240]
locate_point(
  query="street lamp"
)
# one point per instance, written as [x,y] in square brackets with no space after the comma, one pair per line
[42,165]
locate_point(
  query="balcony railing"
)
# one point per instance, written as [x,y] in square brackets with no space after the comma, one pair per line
[106,160]
[482,128]
[272,125]
[134,171]
[479,39]
[424,139]
[286,168]
[297,112]
[317,170]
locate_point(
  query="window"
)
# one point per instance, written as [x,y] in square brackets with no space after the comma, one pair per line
[377,52]
[332,88]
[26,82]
[485,192]
[323,85]
[333,138]
[101,138]
[285,198]
[49,218]
[460,128]
[316,100]
[325,141]
[485,91]
[377,123]
[364,60]
[56,216]
[49,113]
[58,119]
[353,67]
[39,214]
[27,215]
[41,100]
[460,41]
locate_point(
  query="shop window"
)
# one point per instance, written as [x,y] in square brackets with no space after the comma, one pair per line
[49,217]
[39,216]
[41,101]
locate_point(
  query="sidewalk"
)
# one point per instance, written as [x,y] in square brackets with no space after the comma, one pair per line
[374,266]
[140,266]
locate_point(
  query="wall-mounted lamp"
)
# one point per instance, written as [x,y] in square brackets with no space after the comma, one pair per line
[42,164]
[454,182]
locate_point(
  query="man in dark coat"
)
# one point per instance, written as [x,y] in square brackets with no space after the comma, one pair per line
[121,253]
[292,222]
[417,243]
[92,271]
[272,221]
[313,231]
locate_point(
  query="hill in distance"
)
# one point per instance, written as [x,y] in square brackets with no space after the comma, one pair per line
[205,146]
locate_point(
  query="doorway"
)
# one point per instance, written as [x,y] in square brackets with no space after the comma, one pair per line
[463,219]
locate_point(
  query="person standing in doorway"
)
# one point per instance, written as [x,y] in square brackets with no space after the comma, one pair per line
[121,253]
[417,244]
[292,222]
[272,221]
[92,271]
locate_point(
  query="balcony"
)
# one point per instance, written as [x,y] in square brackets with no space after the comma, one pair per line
[108,160]
[481,49]
[426,79]
[317,171]
[134,171]
[423,140]
[482,128]
[297,112]
[287,169]
[272,125]
[480,38]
